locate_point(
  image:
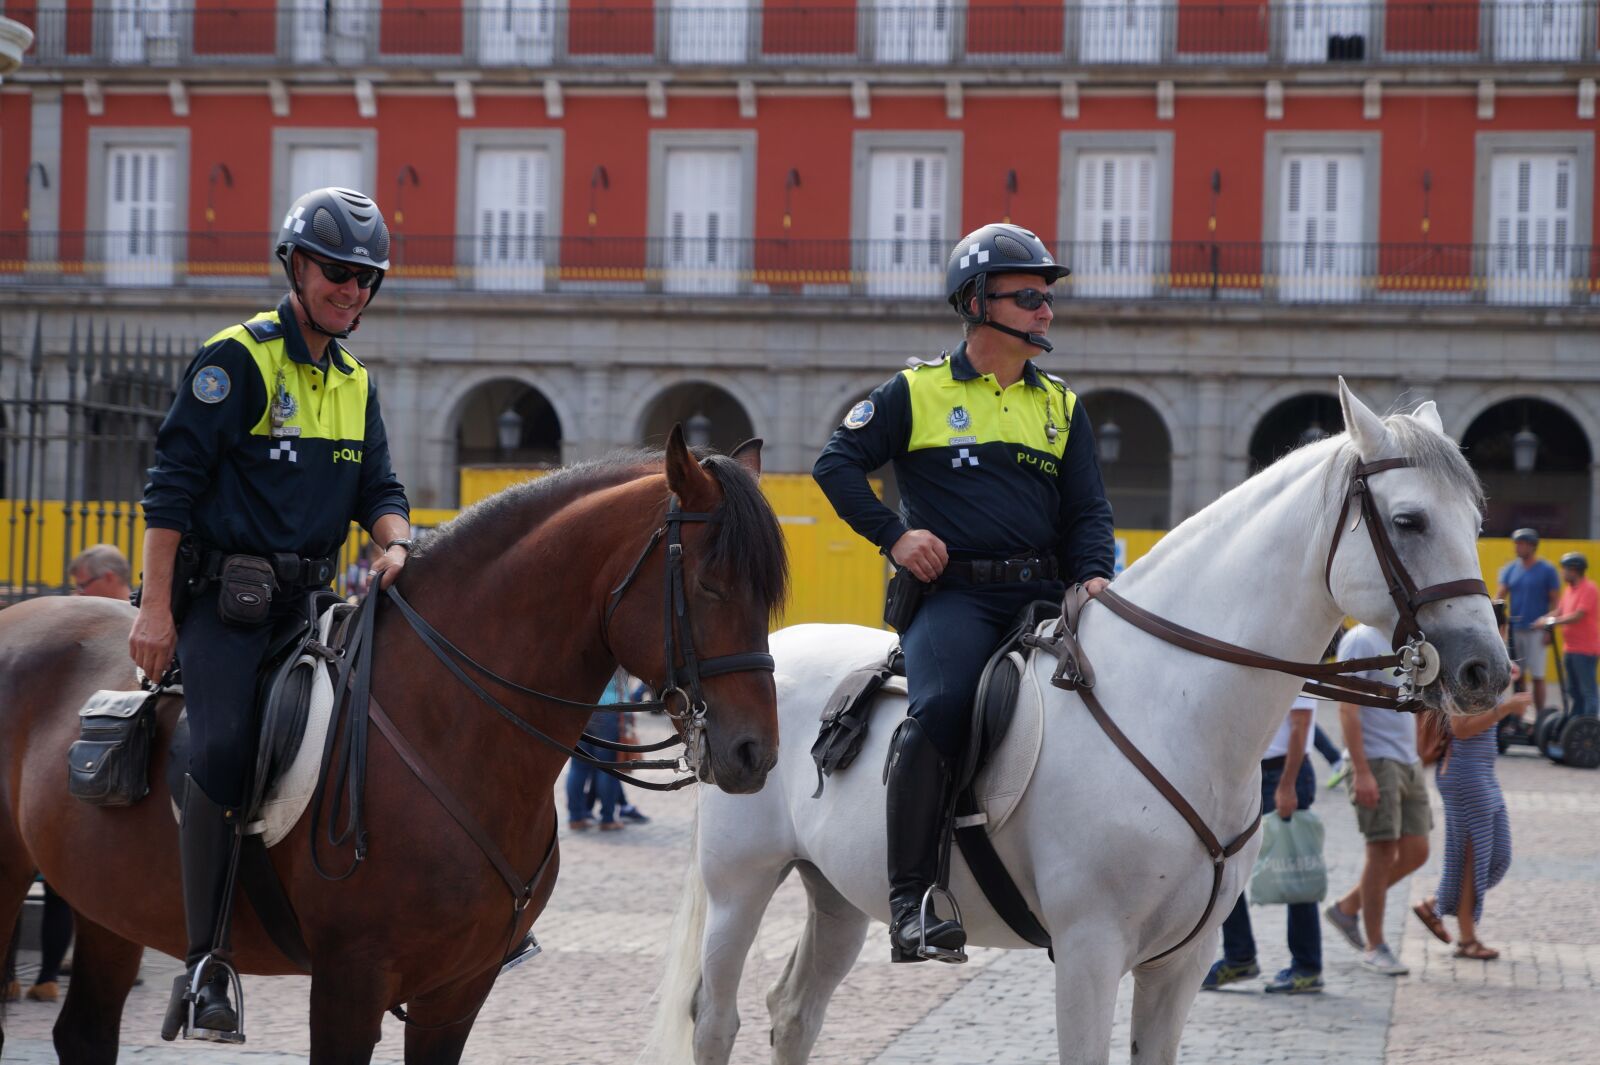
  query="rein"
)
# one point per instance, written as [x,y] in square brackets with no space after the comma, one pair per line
[1414,656]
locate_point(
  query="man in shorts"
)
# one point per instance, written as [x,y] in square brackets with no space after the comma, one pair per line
[1390,794]
[1532,586]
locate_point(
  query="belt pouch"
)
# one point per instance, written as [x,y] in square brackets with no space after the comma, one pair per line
[110,763]
[903,599]
[244,590]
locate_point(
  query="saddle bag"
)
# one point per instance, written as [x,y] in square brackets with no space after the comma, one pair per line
[845,718]
[110,763]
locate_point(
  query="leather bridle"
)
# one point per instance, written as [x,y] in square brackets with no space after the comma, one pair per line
[1414,657]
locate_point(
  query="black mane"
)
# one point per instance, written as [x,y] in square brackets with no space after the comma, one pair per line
[744,539]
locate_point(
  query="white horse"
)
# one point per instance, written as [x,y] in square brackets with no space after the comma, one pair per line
[1110,869]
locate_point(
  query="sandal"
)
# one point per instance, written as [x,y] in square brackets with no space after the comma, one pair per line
[1471,948]
[1425,914]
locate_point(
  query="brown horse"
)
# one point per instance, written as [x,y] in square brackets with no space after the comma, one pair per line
[520,582]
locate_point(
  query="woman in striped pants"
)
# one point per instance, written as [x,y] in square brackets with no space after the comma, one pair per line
[1477,833]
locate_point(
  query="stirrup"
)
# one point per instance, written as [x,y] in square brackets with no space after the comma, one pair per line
[524,951]
[926,911]
[191,999]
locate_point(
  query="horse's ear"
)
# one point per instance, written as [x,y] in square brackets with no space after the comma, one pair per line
[691,484]
[1366,428]
[1428,414]
[748,455]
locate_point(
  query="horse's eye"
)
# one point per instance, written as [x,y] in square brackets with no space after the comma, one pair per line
[1411,523]
[712,590]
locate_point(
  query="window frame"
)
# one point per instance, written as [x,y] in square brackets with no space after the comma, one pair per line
[469,142]
[664,140]
[102,139]
[863,144]
[1369,145]
[1074,145]
[287,138]
[1487,146]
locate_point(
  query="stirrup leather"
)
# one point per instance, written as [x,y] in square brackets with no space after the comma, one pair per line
[191,999]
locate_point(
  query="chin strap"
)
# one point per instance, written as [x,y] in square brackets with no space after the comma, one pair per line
[1036,339]
[982,318]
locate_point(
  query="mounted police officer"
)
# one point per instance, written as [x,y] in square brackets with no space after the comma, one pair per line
[1002,501]
[272,447]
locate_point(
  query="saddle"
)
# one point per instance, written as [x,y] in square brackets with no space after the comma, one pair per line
[109,766]
[987,788]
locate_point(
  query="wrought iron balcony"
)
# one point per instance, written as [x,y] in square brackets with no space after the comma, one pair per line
[557,34]
[1539,274]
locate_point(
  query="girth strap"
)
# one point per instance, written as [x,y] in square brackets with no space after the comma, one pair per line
[1214,848]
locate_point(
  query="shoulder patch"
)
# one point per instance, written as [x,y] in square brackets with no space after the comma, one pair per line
[914,363]
[211,384]
[264,329]
[860,414]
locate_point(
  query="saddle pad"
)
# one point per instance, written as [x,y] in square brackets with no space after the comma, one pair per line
[286,802]
[1003,779]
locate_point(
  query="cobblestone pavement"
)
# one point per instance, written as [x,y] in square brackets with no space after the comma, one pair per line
[585,1001]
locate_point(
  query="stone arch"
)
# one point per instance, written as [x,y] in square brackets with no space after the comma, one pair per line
[1291,422]
[1556,496]
[1139,481]
[730,420]
[442,446]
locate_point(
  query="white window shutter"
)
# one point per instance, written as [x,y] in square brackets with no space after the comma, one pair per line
[1531,227]
[315,167]
[1115,223]
[138,242]
[1319,254]
[512,197]
[704,209]
[906,237]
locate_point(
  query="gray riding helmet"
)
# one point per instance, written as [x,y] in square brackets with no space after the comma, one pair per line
[997,248]
[1575,560]
[339,224]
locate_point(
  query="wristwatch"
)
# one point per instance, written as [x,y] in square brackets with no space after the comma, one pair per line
[400,541]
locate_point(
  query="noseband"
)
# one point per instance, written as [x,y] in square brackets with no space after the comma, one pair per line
[1419,661]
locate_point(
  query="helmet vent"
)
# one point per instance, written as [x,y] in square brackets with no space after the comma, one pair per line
[359,217]
[326,228]
[1012,248]
[380,243]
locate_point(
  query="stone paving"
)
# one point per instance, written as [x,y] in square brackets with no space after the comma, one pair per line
[586,1000]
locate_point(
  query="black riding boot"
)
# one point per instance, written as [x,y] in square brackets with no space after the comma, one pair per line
[208,843]
[919,812]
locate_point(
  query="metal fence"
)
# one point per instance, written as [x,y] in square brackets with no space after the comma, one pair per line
[530,262]
[547,33]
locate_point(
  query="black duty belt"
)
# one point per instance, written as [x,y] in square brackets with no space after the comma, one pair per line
[291,570]
[1000,570]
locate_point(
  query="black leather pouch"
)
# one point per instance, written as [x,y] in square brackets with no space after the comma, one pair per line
[244,590]
[110,763]
[903,599]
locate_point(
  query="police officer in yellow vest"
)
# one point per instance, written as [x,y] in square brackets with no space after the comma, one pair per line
[272,447]
[1002,501]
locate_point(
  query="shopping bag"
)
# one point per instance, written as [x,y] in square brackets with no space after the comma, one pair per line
[1290,867]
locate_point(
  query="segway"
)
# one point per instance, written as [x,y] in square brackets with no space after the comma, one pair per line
[1565,738]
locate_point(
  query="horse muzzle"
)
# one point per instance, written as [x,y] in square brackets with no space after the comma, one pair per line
[739,766]
[1474,673]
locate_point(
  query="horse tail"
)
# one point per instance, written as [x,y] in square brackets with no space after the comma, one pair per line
[671,1039]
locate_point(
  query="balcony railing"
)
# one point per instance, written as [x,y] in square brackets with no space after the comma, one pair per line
[1285,272]
[743,33]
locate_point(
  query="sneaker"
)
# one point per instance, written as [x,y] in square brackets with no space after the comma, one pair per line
[1226,972]
[1293,981]
[1348,924]
[1341,769]
[1382,960]
[630,812]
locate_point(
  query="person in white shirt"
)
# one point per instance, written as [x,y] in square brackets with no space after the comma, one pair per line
[1287,785]
[1390,795]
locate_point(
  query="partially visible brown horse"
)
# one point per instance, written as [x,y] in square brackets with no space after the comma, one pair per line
[520,582]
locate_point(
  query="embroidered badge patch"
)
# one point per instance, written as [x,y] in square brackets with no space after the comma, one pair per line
[959,419]
[211,384]
[859,415]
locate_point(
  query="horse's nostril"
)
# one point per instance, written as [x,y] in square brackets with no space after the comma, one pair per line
[1475,674]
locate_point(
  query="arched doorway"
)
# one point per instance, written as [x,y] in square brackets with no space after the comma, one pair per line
[1135,458]
[1297,421]
[508,423]
[1535,460]
[710,416]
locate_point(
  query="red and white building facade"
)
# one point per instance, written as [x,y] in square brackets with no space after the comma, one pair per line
[614,214]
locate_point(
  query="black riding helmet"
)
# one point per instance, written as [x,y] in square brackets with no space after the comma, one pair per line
[997,248]
[339,224]
[1576,561]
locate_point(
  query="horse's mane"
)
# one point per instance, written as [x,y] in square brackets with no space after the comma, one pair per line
[1433,452]
[745,540]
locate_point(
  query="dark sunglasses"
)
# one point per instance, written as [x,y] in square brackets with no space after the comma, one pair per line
[339,273]
[1029,299]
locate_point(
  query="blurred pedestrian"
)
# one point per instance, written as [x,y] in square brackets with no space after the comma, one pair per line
[1532,585]
[101,570]
[1477,833]
[1287,785]
[1578,613]
[588,784]
[1391,800]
